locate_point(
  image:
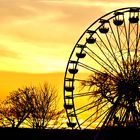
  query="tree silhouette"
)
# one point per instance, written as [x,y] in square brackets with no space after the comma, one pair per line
[101,85]
[16,107]
[34,107]
[44,104]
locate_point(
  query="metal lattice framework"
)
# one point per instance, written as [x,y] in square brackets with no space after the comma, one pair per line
[102,77]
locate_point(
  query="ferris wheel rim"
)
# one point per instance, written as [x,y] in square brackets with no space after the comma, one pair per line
[127,9]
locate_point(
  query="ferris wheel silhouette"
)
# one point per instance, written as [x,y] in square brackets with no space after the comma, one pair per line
[102,77]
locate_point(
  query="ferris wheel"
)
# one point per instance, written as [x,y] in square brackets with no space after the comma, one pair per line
[102,77]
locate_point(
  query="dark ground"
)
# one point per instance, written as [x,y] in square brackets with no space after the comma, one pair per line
[64,134]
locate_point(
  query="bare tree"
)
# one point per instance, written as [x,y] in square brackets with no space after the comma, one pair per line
[45,108]
[16,107]
[34,107]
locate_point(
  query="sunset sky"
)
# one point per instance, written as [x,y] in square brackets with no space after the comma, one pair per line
[37,36]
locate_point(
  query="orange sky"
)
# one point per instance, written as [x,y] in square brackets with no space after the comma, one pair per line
[10,81]
[37,36]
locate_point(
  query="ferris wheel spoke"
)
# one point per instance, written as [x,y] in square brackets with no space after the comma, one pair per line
[132,37]
[128,42]
[118,47]
[110,51]
[121,46]
[136,37]
[83,108]
[102,115]
[90,106]
[137,43]
[103,64]
[83,94]
[93,69]
[87,67]
[136,49]
[113,53]
[112,112]
[132,45]
[116,41]
[80,80]
[103,118]
[106,56]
